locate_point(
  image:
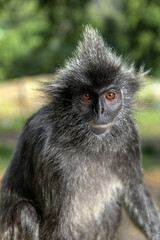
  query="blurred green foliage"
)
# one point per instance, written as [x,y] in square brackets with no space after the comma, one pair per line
[37,35]
[150,156]
[12,125]
[149,123]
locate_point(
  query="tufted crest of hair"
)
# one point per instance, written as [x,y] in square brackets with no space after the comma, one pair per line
[94,63]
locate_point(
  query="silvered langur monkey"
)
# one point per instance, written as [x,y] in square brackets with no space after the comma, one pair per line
[78,158]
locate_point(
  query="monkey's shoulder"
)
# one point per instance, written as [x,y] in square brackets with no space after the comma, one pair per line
[36,125]
[29,145]
[33,136]
[40,117]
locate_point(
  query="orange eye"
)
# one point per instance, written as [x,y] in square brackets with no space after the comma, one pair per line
[85,96]
[110,95]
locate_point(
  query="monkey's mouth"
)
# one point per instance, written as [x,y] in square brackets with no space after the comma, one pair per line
[100,128]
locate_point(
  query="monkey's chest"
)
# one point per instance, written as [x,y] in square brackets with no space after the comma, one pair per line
[94,201]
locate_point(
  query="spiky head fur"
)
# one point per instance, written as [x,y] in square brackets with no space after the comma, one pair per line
[94,62]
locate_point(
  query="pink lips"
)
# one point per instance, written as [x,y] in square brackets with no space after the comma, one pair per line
[100,128]
[101,125]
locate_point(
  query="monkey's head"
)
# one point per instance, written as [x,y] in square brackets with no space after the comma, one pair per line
[94,91]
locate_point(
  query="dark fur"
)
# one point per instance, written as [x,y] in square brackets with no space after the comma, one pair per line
[63,181]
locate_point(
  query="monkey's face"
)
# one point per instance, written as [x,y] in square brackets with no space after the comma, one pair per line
[94,93]
[99,107]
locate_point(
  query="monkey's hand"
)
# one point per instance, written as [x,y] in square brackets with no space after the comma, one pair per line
[20,221]
[142,210]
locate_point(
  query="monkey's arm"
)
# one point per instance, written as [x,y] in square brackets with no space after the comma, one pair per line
[19,218]
[20,221]
[142,210]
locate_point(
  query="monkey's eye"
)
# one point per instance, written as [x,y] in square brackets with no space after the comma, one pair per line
[110,95]
[85,97]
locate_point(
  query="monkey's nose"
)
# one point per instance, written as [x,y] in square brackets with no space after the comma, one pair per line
[99,111]
[100,128]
